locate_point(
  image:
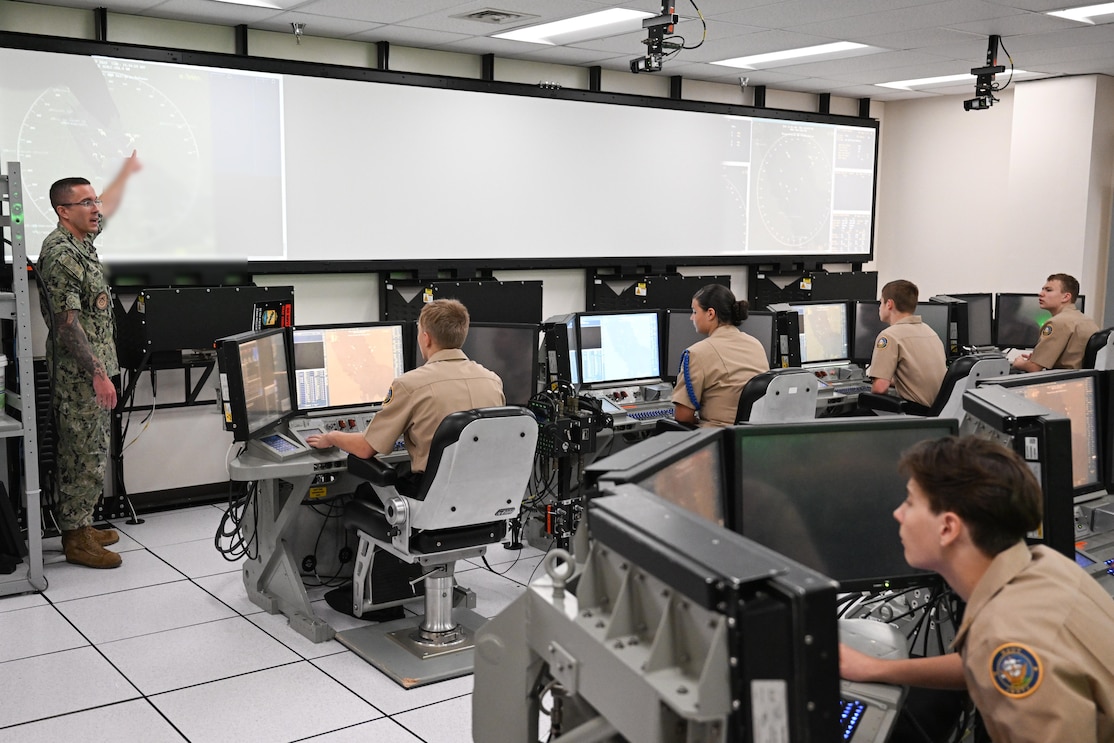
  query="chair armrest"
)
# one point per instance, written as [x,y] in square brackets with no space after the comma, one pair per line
[668,424]
[882,402]
[374,470]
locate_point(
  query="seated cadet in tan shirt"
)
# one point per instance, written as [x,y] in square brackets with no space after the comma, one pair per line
[908,355]
[714,371]
[1034,650]
[420,399]
[1063,339]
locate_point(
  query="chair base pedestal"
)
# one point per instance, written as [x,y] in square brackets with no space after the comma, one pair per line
[391,648]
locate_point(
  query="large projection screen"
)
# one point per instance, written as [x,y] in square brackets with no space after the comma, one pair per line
[284,167]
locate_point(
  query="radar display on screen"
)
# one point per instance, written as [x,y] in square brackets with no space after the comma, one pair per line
[824,331]
[343,366]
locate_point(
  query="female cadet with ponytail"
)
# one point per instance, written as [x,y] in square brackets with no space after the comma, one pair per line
[713,371]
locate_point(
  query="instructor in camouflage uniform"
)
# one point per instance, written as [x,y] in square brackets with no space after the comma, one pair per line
[81,356]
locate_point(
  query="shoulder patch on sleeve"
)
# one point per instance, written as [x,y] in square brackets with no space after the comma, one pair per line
[1015,670]
[390,394]
[882,342]
[1047,329]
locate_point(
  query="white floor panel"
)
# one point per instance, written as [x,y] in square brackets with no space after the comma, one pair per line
[280,704]
[36,631]
[364,679]
[172,527]
[48,685]
[380,731]
[444,722]
[21,601]
[229,588]
[197,558]
[128,721]
[140,569]
[195,655]
[278,627]
[143,611]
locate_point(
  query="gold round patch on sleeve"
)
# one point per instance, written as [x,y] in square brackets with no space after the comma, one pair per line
[1016,670]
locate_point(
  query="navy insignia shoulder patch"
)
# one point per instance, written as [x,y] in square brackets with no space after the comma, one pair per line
[1016,670]
[390,394]
[1047,329]
[882,342]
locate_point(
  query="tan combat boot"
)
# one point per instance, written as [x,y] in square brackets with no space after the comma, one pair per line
[103,537]
[81,549]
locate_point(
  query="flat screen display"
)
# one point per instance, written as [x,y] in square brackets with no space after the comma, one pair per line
[619,347]
[824,494]
[255,381]
[784,184]
[1072,394]
[339,366]
[509,350]
[938,317]
[1018,319]
[695,483]
[867,327]
[825,331]
[980,318]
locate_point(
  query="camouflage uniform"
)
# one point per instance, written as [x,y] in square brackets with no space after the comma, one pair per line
[75,280]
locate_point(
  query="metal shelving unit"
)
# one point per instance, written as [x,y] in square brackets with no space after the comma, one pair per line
[16,306]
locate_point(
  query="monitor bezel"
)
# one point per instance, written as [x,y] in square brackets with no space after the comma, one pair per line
[966,297]
[232,378]
[846,303]
[536,328]
[1101,394]
[998,319]
[909,576]
[409,347]
[857,354]
[606,383]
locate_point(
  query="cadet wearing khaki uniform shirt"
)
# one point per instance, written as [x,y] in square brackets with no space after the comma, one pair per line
[1037,650]
[420,399]
[1063,340]
[719,367]
[910,354]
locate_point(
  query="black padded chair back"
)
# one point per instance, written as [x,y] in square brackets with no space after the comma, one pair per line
[957,373]
[1095,344]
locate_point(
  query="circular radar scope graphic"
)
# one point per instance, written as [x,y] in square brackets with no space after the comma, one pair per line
[794,190]
[89,130]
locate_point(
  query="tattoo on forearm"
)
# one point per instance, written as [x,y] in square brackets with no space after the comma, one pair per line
[72,336]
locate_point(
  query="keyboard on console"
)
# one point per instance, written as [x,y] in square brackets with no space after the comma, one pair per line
[649,414]
[869,711]
[851,712]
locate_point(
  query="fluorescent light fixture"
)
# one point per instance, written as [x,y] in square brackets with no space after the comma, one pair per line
[772,59]
[580,28]
[253,3]
[927,82]
[1086,14]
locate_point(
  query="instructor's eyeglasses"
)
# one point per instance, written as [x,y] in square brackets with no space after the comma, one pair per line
[87,203]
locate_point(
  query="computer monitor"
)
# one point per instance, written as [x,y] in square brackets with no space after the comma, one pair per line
[825,331]
[345,366]
[867,327]
[980,319]
[1017,320]
[834,514]
[618,347]
[938,317]
[256,386]
[511,351]
[1073,394]
[680,334]
[763,326]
